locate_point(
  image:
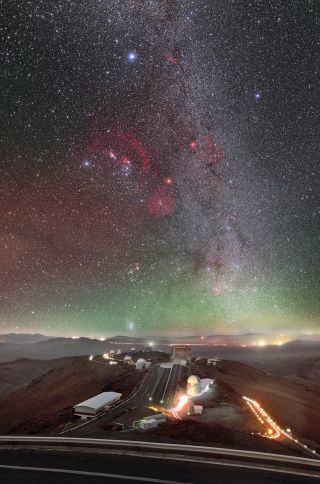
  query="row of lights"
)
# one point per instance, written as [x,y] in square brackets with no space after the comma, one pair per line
[270,433]
[253,404]
[106,357]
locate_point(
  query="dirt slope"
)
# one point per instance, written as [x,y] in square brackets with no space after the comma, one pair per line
[291,404]
[19,373]
[46,404]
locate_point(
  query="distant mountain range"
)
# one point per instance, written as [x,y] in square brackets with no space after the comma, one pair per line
[22,338]
[60,347]
[36,346]
[126,340]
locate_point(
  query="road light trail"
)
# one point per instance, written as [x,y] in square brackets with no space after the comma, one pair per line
[161,371]
[273,430]
[165,389]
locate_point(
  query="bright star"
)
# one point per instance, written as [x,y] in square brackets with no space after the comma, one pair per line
[132,56]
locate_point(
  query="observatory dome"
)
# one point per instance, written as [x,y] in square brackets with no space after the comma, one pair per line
[142,364]
[193,380]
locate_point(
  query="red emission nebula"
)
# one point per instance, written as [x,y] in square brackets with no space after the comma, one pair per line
[123,148]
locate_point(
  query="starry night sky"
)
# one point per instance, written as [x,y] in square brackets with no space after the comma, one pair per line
[160,166]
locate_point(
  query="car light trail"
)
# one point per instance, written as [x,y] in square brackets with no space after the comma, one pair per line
[183,401]
[175,411]
[273,430]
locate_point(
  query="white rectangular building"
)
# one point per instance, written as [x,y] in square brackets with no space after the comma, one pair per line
[98,403]
[160,417]
[151,423]
[198,409]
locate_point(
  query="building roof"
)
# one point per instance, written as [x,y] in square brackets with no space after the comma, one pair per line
[141,360]
[204,382]
[157,416]
[100,400]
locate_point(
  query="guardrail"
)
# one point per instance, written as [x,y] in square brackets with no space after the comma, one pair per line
[158,446]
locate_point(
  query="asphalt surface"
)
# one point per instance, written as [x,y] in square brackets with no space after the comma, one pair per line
[166,387]
[79,467]
[158,394]
[160,384]
[172,386]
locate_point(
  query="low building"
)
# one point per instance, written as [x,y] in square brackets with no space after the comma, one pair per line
[194,409]
[198,409]
[128,359]
[148,424]
[160,417]
[97,404]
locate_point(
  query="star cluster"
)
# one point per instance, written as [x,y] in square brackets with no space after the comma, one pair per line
[159,166]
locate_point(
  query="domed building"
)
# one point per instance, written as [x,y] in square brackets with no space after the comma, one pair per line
[127,359]
[142,364]
[193,386]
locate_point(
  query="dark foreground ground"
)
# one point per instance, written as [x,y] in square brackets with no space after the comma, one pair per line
[71,468]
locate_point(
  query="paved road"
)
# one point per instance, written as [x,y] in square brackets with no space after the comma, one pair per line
[140,397]
[166,386]
[157,396]
[172,386]
[160,384]
[56,467]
